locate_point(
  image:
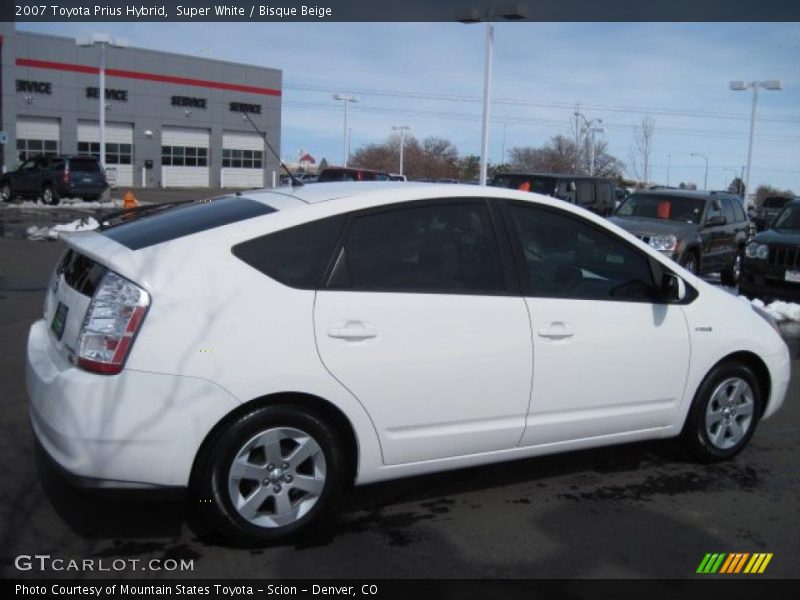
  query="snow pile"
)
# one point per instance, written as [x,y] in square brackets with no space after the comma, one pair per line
[53,233]
[66,203]
[781,311]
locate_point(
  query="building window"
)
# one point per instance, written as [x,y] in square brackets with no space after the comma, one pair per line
[242,159]
[116,154]
[28,148]
[184,156]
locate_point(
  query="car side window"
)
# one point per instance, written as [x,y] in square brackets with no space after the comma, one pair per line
[584,194]
[604,194]
[739,211]
[445,248]
[565,256]
[714,210]
[727,210]
[28,165]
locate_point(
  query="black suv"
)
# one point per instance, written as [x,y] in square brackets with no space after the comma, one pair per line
[595,193]
[704,232]
[768,210]
[771,266]
[53,177]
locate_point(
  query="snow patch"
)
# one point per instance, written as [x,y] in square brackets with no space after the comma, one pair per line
[70,203]
[780,311]
[54,232]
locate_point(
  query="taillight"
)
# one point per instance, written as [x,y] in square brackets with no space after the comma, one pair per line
[65,176]
[114,316]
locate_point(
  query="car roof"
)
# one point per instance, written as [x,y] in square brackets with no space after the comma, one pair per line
[697,194]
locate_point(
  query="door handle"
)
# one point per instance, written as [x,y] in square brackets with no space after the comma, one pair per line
[354,331]
[557,330]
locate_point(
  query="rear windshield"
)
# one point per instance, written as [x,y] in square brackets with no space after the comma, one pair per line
[172,223]
[657,206]
[775,202]
[525,183]
[84,165]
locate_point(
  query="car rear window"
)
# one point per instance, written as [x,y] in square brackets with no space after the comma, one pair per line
[84,165]
[173,223]
[297,256]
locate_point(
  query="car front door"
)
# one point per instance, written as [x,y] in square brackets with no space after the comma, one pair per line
[420,320]
[22,178]
[608,358]
[714,239]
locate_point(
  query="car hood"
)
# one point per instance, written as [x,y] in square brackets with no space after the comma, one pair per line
[644,226]
[779,236]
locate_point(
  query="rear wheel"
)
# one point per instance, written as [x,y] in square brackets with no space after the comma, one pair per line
[691,263]
[49,195]
[730,276]
[724,413]
[270,475]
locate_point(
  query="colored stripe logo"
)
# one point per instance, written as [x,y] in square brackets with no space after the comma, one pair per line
[734,563]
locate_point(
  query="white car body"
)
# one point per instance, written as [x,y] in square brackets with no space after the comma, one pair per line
[448,381]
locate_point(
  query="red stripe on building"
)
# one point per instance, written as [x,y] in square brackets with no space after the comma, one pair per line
[58,66]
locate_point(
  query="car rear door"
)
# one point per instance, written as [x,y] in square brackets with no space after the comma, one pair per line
[608,358]
[419,319]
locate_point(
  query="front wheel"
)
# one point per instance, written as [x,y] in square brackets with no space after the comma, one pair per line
[724,413]
[691,263]
[271,474]
[6,193]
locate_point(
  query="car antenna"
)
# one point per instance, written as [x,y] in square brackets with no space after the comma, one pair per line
[295,182]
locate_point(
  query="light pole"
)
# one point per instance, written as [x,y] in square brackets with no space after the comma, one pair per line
[739,86]
[669,166]
[705,158]
[346,99]
[402,129]
[590,127]
[102,40]
[510,12]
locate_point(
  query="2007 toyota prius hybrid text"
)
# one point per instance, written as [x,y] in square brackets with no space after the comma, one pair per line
[267,350]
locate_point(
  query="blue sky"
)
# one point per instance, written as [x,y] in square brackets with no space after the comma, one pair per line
[429,76]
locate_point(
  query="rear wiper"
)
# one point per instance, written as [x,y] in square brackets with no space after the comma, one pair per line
[137,211]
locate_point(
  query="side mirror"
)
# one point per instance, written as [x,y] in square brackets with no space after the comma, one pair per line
[571,187]
[716,220]
[673,289]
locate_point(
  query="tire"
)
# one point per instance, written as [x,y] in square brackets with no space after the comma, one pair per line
[730,276]
[691,263]
[724,413]
[50,195]
[223,496]
[6,193]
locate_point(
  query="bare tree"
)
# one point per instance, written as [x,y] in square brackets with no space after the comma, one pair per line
[434,158]
[561,155]
[642,149]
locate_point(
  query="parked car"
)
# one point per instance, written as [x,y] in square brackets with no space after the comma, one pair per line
[594,193]
[704,232]
[351,174]
[397,177]
[266,350]
[53,177]
[306,177]
[769,209]
[771,267]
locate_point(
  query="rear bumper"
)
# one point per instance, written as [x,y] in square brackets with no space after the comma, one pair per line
[135,429]
[82,190]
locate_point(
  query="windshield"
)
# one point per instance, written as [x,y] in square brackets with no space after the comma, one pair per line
[538,185]
[657,206]
[789,218]
[775,202]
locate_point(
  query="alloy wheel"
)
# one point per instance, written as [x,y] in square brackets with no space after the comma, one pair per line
[729,414]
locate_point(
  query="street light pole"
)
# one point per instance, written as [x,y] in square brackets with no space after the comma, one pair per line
[738,86]
[705,158]
[402,129]
[669,165]
[590,130]
[102,40]
[346,99]
[510,12]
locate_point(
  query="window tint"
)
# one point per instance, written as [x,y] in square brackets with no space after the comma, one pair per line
[714,209]
[739,210]
[727,210]
[567,257]
[604,194]
[448,248]
[585,195]
[297,256]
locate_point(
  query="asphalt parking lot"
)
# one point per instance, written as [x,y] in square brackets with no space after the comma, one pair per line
[625,511]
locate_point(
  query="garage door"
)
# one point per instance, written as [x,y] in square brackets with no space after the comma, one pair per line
[119,149]
[37,135]
[242,160]
[184,157]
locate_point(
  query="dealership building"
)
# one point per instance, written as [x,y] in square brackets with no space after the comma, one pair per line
[171,120]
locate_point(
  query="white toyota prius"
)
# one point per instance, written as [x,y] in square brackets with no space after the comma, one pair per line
[268,349]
